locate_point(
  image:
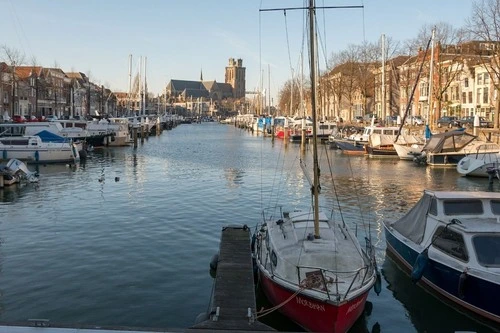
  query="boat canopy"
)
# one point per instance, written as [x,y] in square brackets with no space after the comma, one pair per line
[47,136]
[412,225]
[450,141]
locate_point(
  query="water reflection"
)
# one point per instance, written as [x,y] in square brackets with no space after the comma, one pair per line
[426,312]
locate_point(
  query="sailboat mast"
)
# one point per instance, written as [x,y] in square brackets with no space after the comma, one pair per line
[315,188]
[129,83]
[430,112]
[384,116]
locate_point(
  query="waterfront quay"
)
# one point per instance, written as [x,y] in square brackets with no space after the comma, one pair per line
[124,239]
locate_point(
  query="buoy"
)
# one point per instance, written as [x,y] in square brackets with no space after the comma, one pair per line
[419,266]
[461,284]
[214,261]
[378,283]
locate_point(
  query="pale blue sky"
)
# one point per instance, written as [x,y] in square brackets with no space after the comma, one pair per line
[180,38]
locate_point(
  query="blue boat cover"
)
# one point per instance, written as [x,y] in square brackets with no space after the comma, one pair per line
[47,136]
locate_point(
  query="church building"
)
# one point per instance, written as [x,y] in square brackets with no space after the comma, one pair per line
[234,86]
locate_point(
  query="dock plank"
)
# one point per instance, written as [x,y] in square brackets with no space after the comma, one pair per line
[234,291]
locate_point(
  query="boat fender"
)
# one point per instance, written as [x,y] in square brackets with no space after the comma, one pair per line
[214,261]
[252,245]
[279,222]
[419,266]
[37,155]
[4,154]
[378,283]
[368,308]
[462,284]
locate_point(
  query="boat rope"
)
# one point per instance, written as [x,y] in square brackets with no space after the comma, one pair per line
[264,312]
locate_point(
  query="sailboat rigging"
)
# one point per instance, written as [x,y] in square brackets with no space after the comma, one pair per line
[312,269]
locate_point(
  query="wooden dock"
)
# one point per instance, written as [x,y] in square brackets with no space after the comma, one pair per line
[233,304]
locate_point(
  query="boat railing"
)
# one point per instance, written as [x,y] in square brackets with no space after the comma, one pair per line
[332,282]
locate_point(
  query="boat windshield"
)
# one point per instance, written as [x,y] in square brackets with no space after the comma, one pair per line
[487,249]
[463,207]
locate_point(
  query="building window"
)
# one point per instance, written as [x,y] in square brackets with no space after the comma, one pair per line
[480,79]
[464,97]
[424,89]
[470,97]
[466,82]
[485,95]
[486,78]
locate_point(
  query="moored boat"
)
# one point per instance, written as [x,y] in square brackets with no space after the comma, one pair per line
[311,268]
[448,148]
[450,242]
[32,149]
[479,164]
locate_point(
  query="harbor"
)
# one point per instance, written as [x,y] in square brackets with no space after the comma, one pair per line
[125,238]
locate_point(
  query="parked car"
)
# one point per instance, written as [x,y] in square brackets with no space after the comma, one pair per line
[447,121]
[18,118]
[415,120]
[51,118]
[32,119]
[469,122]
[391,120]
[369,117]
[358,119]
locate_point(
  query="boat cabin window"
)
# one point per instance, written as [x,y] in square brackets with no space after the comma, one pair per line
[450,242]
[14,142]
[495,207]
[463,207]
[487,249]
[433,209]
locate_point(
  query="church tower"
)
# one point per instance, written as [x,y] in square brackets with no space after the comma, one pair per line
[235,76]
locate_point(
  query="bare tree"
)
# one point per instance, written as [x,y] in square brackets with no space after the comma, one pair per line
[484,25]
[290,97]
[13,58]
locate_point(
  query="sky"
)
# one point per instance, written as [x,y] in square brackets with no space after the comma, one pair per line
[184,38]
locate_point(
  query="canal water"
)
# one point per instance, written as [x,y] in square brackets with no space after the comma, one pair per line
[126,238]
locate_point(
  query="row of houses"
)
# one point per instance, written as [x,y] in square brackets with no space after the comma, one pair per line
[459,80]
[40,91]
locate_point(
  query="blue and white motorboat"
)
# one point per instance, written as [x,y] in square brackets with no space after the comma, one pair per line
[450,242]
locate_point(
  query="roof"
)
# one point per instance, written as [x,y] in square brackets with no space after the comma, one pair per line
[195,93]
[24,72]
[181,85]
